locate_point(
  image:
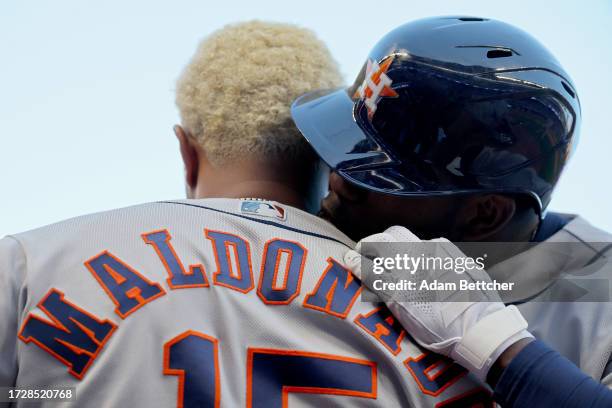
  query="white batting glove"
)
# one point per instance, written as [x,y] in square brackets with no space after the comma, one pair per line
[473,333]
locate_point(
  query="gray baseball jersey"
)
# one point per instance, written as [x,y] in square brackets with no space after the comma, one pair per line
[215,302]
[578,255]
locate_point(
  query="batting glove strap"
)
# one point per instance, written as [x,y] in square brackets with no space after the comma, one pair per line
[488,338]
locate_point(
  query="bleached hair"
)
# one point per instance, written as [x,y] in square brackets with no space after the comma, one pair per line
[234,96]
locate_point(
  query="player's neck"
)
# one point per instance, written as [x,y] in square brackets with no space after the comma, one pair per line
[247,180]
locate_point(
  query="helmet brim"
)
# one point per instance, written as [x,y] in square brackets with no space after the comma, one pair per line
[326,119]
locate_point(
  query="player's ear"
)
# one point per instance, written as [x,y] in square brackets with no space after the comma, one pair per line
[191,160]
[483,216]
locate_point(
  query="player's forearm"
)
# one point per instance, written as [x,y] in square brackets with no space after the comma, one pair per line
[526,380]
[504,360]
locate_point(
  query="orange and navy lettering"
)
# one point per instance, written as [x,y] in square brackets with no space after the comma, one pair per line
[178,277]
[434,373]
[76,337]
[73,336]
[268,289]
[272,374]
[194,358]
[336,291]
[127,288]
[381,324]
[231,250]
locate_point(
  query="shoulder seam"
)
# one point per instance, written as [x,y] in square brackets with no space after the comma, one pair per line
[22,249]
[25,275]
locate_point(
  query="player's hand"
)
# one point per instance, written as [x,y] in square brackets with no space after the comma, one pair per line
[473,328]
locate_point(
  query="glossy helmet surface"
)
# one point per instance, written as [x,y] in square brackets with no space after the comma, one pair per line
[449,105]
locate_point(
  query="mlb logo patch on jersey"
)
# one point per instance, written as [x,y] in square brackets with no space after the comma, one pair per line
[262,208]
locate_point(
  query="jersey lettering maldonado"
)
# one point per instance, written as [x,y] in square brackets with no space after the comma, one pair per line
[76,337]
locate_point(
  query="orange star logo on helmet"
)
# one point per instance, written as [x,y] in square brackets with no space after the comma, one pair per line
[376,85]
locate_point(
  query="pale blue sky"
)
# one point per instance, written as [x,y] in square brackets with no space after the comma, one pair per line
[87,104]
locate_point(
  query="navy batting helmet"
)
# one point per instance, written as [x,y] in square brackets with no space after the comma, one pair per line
[449,105]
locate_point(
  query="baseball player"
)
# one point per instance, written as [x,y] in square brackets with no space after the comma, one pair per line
[460,127]
[221,299]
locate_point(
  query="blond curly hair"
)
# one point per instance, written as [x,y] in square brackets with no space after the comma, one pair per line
[235,94]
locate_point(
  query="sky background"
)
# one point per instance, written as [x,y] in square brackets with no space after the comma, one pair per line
[87,91]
